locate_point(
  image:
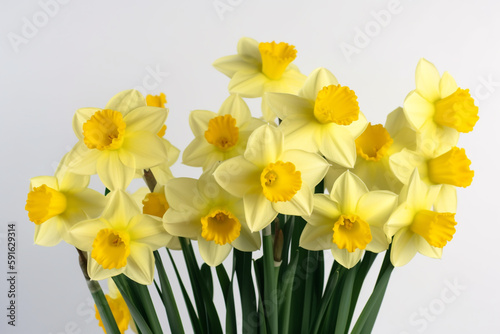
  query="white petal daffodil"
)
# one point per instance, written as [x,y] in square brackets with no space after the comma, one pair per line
[259,68]
[202,210]
[56,203]
[349,220]
[219,136]
[270,179]
[121,240]
[374,147]
[420,223]
[438,106]
[323,117]
[117,140]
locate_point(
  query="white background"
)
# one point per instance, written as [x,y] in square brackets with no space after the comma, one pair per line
[87,51]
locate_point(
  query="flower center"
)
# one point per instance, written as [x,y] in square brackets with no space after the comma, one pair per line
[336,104]
[373,143]
[155,204]
[275,58]
[44,203]
[104,130]
[221,226]
[111,248]
[457,111]
[280,181]
[222,132]
[452,167]
[156,100]
[120,312]
[435,227]
[351,233]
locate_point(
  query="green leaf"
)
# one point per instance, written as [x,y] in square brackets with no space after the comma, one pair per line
[195,322]
[101,302]
[168,298]
[345,302]
[286,295]
[141,293]
[206,273]
[270,288]
[243,268]
[223,280]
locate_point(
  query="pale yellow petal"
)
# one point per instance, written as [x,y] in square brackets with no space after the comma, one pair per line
[268,114]
[88,200]
[83,234]
[112,172]
[82,160]
[316,237]
[49,181]
[404,163]
[401,218]
[185,222]
[325,211]
[146,147]
[424,248]
[337,145]
[446,201]
[285,105]
[259,211]
[126,101]
[356,128]
[347,191]
[249,47]
[182,194]
[248,241]
[315,82]
[212,253]
[379,242]
[50,233]
[148,230]
[229,65]
[265,145]
[198,121]
[70,182]
[375,207]
[140,264]
[146,119]
[120,209]
[97,272]
[418,110]
[200,153]
[81,116]
[301,204]
[447,85]
[346,258]
[427,80]
[312,166]
[248,83]
[404,247]
[235,106]
[238,176]
[301,132]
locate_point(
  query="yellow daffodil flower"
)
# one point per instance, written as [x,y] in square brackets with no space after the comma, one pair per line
[121,240]
[324,117]
[438,106]
[119,309]
[349,220]
[162,172]
[420,223]
[374,147]
[259,68]
[271,180]
[202,210]
[219,136]
[117,140]
[155,204]
[56,203]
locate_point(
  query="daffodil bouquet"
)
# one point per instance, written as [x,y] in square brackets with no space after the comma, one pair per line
[310,175]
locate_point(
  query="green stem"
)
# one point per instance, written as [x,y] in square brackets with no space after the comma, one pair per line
[270,292]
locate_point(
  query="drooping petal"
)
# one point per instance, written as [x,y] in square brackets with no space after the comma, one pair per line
[112,172]
[316,237]
[418,110]
[235,106]
[301,204]
[404,247]
[427,80]
[265,145]
[315,82]
[259,211]
[140,264]
[229,65]
[347,191]
[312,166]
[325,211]
[248,83]
[212,253]
[375,207]
[238,176]
[146,119]
[346,258]
[337,145]
[126,101]
[81,116]
[198,121]
[146,147]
